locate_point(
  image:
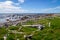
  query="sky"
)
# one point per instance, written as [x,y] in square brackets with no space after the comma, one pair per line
[29,6]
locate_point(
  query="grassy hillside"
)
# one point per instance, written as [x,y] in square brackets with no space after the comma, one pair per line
[48,33]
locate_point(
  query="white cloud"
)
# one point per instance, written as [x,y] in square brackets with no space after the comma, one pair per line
[21,1]
[46,10]
[51,10]
[8,7]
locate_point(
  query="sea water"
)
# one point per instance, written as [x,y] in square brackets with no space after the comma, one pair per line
[2,20]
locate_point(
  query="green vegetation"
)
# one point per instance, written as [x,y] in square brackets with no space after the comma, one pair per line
[48,33]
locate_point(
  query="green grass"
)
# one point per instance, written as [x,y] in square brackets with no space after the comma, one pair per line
[48,33]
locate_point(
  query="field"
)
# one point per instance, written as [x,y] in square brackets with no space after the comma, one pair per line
[48,33]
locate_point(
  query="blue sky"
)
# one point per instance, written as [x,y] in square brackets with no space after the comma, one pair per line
[29,6]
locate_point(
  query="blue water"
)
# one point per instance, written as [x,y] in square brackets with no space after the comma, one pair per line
[3,17]
[2,20]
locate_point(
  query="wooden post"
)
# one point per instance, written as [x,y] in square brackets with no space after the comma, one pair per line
[49,24]
[19,28]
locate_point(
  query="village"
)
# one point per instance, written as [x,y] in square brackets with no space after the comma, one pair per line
[14,19]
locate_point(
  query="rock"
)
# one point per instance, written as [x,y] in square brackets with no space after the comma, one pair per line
[28,37]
